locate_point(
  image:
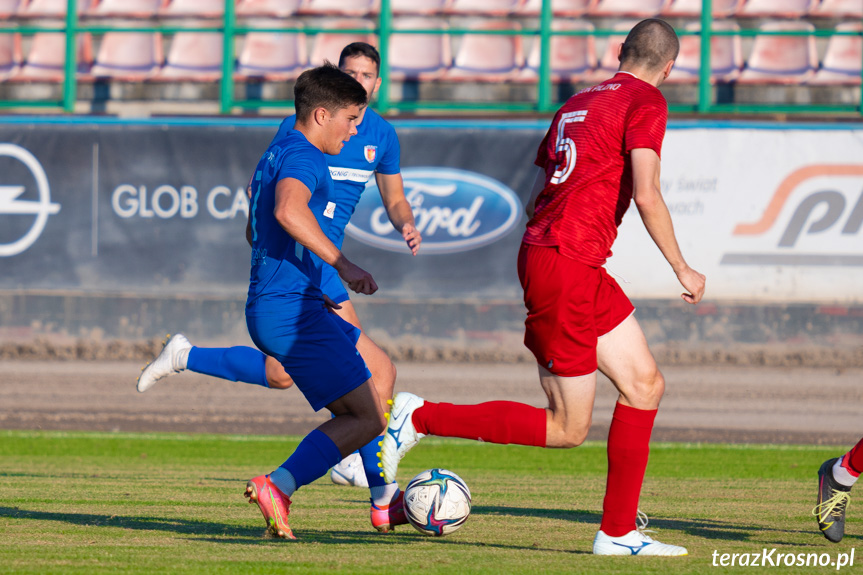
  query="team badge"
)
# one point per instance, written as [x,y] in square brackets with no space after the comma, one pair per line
[369,152]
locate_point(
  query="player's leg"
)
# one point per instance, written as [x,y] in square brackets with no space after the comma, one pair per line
[835,479]
[623,356]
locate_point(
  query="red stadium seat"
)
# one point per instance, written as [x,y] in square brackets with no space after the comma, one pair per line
[572,57]
[125,8]
[193,9]
[560,8]
[128,56]
[328,45]
[488,57]
[47,57]
[273,56]
[419,56]
[782,59]
[193,57]
[354,8]
[726,55]
[10,55]
[482,7]
[269,8]
[633,8]
[838,9]
[844,58]
[776,8]
[8,8]
[49,8]
[692,8]
[418,6]
[609,63]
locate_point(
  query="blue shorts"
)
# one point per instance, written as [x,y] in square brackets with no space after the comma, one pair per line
[332,285]
[316,347]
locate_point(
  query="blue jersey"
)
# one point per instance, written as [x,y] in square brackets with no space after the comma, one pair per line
[375,148]
[283,271]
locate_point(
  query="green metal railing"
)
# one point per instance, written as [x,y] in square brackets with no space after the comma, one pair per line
[544,103]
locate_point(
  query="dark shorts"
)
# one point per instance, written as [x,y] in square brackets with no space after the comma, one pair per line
[316,347]
[569,305]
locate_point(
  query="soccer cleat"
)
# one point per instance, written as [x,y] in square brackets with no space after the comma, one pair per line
[634,543]
[172,359]
[385,518]
[273,504]
[401,435]
[833,499]
[350,471]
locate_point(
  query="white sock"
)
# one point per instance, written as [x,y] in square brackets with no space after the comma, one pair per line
[841,475]
[283,479]
[183,359]
[384,494]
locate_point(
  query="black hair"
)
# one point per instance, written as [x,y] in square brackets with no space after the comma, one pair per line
[360,49]
[326,87]
[651,43]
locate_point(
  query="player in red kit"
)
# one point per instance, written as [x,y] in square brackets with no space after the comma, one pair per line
[601,152]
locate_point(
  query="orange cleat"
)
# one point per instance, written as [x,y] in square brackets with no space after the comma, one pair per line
[274,505]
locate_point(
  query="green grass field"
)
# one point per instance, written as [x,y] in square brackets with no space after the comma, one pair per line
[125,503]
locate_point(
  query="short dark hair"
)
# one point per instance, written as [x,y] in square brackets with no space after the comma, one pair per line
[360,49]
[651,43]
[326,87]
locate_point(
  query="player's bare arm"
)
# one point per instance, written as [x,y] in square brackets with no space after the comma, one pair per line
[293,214]
[398,209]
[654,213]
[538,186]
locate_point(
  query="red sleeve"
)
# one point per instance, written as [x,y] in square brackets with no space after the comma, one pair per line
[645,122]
[542,152]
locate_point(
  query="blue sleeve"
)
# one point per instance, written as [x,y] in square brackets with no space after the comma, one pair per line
[391,159]
[286,126]
[304,165]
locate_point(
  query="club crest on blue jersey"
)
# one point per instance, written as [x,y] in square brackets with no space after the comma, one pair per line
[369,153]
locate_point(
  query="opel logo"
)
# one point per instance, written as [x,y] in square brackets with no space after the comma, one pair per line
[9,204]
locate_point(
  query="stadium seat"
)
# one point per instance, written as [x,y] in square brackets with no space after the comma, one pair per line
[193,57]
[49,8]
[488,57]
[560,8]
[193,9]
[417,6]
[8,8]
[419,56]
[353,8]
[692,8]
[10,55]
[128,56]
[328,45]
[124,8]
[47,57]
[844,58]
[838,9]
[628,8]
[272,56]
[572,57]
[781,59]
[609,63]
[726,55]
[776,8]
[482,7]
[269,8]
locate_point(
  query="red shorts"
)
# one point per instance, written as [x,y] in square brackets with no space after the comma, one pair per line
[569,305]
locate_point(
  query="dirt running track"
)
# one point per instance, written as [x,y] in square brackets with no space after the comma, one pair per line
[715,404]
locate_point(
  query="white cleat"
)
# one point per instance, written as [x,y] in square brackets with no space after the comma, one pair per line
[172,359]
[634,543]
[350,471]
[401,435]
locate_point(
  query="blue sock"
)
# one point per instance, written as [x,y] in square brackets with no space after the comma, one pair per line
[237,363]
[369,453]
[314,456]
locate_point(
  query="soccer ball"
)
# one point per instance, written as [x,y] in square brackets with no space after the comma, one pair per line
[437,502]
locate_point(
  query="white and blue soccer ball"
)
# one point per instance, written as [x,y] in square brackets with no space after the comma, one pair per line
[437,502]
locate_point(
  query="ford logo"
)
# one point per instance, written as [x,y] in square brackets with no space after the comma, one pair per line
[455,211]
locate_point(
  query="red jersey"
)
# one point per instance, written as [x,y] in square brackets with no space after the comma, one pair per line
[588,170]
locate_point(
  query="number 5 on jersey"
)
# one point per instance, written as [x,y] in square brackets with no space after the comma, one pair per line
[566,145]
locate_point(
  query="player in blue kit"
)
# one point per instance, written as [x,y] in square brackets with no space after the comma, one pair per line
[292,206]
[373,151]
